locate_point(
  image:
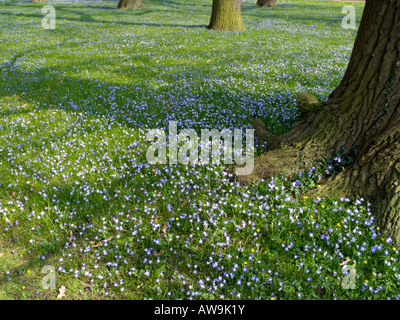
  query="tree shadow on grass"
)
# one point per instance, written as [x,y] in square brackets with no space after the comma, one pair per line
[35,85]
[85,17]
[64,12]
[295,13]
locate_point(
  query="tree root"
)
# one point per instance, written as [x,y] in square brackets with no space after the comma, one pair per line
[263,136]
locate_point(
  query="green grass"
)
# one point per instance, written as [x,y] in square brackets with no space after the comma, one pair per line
[75,105]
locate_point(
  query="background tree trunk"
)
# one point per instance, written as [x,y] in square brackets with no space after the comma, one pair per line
[130,4]
[226,15]
[266,3]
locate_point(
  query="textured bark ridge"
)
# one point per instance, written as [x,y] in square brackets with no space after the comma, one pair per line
[226,15]
[266,3]
[360,122]
[130,4]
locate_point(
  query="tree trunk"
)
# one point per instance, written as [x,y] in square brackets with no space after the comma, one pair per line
[266,3]
[226,15]
[360,122]
[130,4]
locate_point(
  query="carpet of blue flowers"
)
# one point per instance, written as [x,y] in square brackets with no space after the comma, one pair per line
[77,193]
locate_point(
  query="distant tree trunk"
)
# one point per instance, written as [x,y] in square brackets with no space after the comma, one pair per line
[38,0]
[226,15]
[130,4]
[266,3]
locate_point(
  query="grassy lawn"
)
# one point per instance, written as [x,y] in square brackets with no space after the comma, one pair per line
[76,190]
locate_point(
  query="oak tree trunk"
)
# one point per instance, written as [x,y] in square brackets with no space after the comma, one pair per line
[266,3]
[130,4]
[226,15]
[360,122]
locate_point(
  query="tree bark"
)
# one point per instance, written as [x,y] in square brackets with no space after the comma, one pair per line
[130,4]
[360,122]
[266,3]
[226,15]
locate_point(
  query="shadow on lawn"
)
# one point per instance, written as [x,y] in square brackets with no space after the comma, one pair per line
[81,209]
[294,12]
[35,93]
[63,13]
[45,88]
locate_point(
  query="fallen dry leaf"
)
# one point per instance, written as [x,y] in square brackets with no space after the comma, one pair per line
[85,284]
[165,228]
[156,220]
[345,262]
[159,254]
[100,243]
[62,292]
[71,237]
[138,287]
